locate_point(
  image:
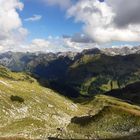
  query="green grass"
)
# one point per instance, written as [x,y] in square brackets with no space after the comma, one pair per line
[108,118]
[13,138]
[44,113]
[41,113]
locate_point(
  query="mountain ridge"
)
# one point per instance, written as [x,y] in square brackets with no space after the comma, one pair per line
[86,69]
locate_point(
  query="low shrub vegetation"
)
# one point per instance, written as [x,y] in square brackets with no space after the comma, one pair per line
[16,99]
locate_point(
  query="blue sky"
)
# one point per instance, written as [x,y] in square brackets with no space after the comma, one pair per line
[53,23]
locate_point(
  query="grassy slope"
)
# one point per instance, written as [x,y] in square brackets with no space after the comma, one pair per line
[108,118]
[45,114]
[42,112]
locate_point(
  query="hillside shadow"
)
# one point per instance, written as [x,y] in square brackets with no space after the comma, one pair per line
[130,93]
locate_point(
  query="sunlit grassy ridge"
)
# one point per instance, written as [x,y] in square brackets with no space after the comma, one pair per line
[43,113]
[108,118]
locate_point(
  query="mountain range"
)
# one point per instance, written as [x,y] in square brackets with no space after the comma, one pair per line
[73,74]
[93,94]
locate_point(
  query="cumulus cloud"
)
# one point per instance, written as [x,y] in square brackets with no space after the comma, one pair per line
[34,18]
[61,3]
[81,38]
[9,18]
[55,44]
[104,21]
[108,21]
[11,29]
[127,12]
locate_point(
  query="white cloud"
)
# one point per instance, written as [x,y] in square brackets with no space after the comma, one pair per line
[9,18]
[100,22]
[34,18]
[11,29]
[61,3]
[54,44]
[103,22]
